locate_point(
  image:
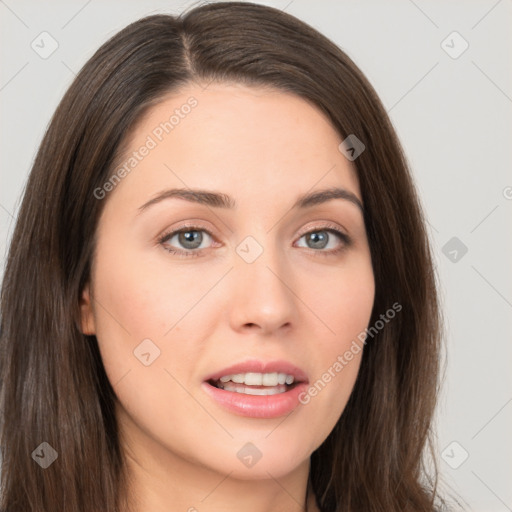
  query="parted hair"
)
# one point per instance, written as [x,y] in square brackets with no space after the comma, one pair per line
[54,387]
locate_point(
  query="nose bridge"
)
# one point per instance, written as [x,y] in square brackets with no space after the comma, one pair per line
[263,296]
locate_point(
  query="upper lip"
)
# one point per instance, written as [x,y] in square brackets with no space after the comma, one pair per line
[257,366]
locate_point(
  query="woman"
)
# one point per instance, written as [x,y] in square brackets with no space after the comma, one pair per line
[219,291]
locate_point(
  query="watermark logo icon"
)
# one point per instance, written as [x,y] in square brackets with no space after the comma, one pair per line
[351,147]
[146,352]
[454,455]
[249,249]
[454,249]
[45,455]
[249,455]
[454,45]
[44,45]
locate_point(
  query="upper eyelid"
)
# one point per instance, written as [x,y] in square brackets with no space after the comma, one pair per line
[184,228]
[327,227]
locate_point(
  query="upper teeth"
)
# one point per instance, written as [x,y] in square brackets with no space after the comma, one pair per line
[259,379]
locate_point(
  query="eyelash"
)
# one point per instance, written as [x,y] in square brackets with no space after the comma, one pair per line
[330,228]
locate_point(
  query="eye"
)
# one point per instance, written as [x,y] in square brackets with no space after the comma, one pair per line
[323,239]
[188,238]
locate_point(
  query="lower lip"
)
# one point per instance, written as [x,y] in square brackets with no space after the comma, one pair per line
[255,406]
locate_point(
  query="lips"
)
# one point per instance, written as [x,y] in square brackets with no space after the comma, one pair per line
[237,388]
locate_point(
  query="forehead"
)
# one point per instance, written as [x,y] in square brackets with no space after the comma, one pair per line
[257,141]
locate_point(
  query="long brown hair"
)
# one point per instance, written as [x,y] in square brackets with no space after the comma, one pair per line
[54,388]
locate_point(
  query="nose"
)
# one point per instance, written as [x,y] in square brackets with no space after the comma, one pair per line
[262,296]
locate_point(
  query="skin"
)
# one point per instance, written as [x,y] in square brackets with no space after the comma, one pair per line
[264,148]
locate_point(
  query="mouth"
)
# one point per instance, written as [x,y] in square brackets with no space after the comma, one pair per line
[257,389]
[251,383]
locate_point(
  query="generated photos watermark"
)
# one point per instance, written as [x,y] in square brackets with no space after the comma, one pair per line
[152,140]
[344,359]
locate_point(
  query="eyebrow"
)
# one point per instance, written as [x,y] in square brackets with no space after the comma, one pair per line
[220,200]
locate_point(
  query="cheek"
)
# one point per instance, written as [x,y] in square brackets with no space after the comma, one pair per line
[127,306]
[343,303]
[137,301]
[342,299]
[144,297]
[140,312]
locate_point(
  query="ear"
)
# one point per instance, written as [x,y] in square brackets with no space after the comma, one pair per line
[86,312]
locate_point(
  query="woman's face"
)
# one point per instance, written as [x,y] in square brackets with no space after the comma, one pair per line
[254,281]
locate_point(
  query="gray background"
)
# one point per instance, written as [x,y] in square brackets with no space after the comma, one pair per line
[454,118]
